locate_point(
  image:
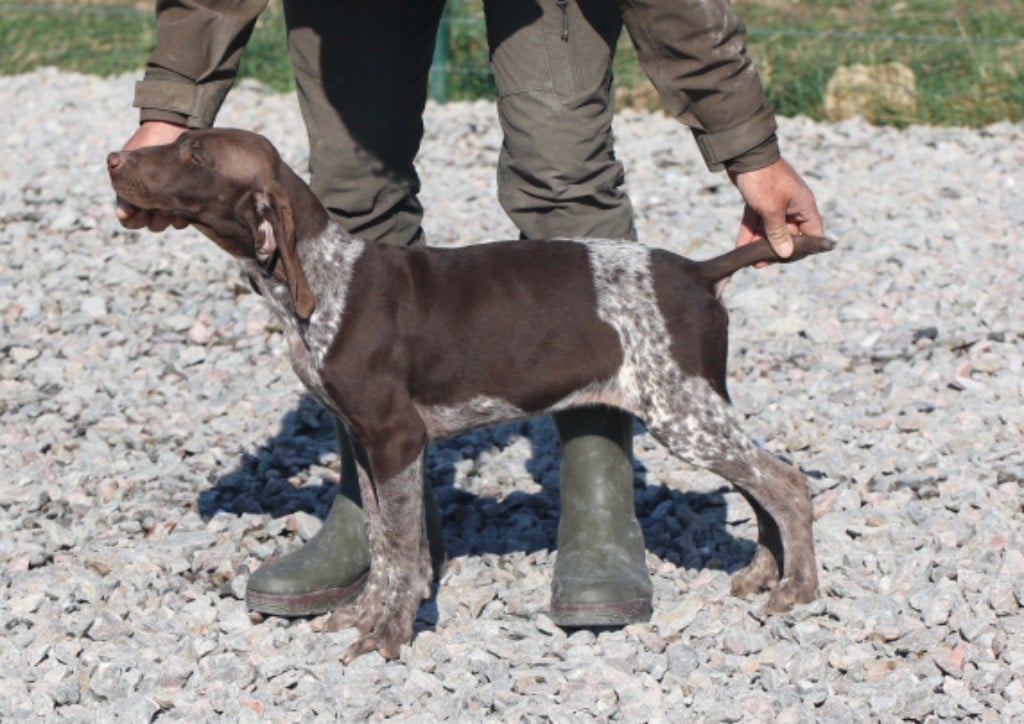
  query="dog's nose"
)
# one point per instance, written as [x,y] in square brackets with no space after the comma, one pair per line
[114,161]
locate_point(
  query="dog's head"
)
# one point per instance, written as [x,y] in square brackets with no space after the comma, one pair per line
[231,185]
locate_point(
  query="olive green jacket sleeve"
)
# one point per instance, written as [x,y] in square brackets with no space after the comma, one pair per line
[694,51]
[199,45]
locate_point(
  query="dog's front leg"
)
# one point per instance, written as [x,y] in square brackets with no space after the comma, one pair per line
[400,569]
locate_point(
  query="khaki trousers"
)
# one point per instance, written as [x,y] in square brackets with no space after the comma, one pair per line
[362,69]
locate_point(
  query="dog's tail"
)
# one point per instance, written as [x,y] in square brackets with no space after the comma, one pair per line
[720,268]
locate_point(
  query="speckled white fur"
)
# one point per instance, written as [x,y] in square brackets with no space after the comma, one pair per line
[328,262]
[684,411]
[444,421]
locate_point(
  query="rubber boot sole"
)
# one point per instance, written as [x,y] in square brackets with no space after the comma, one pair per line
[313,603]
[606,613]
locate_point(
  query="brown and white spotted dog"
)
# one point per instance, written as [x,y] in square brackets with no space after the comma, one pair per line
[406,346]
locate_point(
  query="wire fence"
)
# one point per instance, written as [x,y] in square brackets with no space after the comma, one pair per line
[910,61]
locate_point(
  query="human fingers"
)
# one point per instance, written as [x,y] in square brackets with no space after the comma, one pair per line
[777,232]
[158,222]
[804,215]
[124,211]
[131,217]
[750,227]
[768,192]
[135,219]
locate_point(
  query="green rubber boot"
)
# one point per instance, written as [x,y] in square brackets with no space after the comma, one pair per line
[329,570]
[601,574]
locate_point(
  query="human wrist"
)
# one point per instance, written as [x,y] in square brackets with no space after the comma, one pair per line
[154,133]
[150,115]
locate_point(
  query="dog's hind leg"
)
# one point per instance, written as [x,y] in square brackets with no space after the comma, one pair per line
[697,426]
[781,498]
[763,571]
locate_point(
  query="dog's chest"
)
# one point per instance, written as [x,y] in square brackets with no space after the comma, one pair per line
[305,367]
[303,361]
[328,264]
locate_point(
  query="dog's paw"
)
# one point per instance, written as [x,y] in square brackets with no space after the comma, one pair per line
[348,617]
[389,648]
[364,614]
[761,575]
[789,593]
[393,630]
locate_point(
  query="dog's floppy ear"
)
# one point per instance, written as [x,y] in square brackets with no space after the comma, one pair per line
[269,216]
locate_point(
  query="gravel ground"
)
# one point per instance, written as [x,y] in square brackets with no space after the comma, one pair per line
[156,449]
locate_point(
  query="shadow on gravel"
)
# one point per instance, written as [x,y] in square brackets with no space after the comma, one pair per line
[260,482]
[687,528]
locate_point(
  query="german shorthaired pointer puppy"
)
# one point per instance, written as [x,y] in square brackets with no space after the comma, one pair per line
[409,345]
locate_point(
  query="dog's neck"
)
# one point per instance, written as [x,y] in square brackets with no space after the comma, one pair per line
[308,214]
[328,259]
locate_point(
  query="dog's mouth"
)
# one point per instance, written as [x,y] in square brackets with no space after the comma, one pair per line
[131,191]
[138,196]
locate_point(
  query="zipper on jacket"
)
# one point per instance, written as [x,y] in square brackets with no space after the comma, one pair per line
[564,5]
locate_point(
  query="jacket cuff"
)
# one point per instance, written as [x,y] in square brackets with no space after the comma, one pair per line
[760,156]
[155,114]
[738,148]
[195,106]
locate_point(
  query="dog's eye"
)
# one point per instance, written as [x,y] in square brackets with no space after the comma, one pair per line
[195,155]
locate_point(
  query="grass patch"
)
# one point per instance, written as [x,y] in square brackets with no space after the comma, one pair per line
[115,38]
[98,40]
[967,56]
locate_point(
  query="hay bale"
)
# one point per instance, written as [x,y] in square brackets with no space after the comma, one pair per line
[874,92]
